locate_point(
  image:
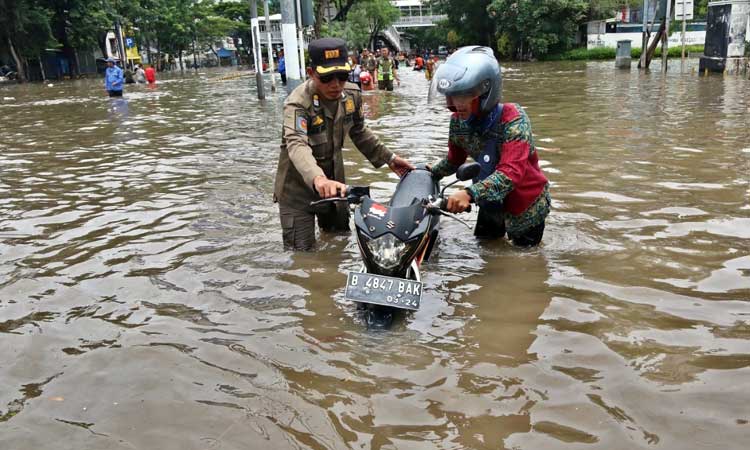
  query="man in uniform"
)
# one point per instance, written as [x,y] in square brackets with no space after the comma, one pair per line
[317,116]
[386,70]
[369,62]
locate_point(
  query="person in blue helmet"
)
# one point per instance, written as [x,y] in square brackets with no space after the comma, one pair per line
[511,190]
[113,79]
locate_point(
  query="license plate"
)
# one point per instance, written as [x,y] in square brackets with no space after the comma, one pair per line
[382,290]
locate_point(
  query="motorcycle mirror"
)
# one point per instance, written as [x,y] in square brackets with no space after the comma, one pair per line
[467,171]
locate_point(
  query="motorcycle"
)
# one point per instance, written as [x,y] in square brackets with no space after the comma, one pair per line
[394,240]
[7,74]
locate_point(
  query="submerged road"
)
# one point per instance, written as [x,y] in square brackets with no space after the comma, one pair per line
[146,301]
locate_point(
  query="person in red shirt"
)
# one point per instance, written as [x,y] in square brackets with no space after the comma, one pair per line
[150,75]
[511,190]
[418,63]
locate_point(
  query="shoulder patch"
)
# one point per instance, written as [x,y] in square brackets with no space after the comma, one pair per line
[300,121]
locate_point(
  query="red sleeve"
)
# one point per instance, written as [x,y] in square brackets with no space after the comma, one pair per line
[516,143]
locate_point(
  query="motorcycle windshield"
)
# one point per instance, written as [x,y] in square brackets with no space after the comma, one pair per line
[404,222]
[416,185]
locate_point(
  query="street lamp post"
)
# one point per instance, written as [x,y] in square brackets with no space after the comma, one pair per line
[270,47]
[256,48]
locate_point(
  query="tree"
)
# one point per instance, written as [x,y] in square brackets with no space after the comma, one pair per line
[25,30]
[321,6]
[80,24]
[605,9]
[469,20]
[239,14]
[535,28]
[354,31]
[430,37]
[210,29]
[377,14]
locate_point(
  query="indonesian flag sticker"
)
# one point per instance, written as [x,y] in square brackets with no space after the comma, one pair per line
[378,210]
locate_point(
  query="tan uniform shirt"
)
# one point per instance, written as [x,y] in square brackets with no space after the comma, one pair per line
[311,142]
[370,63]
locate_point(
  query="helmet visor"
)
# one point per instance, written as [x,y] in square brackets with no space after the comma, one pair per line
[450,87]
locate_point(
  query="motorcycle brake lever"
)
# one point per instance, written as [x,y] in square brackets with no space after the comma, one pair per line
[349,199]
[436,208]
[453,216]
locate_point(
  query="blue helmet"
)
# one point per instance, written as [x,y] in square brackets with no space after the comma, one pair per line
[471,71]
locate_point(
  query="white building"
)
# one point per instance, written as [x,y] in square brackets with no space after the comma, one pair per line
[606,33]
[416,13]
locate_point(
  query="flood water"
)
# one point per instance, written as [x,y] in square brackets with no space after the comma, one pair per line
[146,301]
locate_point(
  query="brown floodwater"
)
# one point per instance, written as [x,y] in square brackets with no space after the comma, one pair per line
[146,301]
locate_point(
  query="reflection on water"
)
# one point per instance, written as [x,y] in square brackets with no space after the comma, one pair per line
[146,302]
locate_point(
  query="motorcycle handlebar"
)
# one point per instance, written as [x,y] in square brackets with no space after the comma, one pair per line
[352,194]
[442,204]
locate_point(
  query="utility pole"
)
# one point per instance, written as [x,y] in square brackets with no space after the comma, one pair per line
[121,44]
[644,44]
[301,40]
[256,48]
[683,10]
[270,47]
[683,39]
[288,35]
[665,38]
[195,65]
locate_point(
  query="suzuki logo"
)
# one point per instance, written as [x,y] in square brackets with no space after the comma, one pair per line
[390,225]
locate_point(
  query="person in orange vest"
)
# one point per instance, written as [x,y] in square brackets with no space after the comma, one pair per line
[418,63]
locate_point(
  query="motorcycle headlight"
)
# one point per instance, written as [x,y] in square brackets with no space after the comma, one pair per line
[387,251]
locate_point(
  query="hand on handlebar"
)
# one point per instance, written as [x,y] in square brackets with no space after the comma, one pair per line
[458,202]
[329,188]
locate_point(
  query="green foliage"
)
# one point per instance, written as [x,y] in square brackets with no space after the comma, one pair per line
[31,26]
[701,9]
[85,21]
[429,37]
[504,46]
[582,54]
[469,20]
[365,19]
[453,38]
[605,9]
[354,30]
[538,27]
[26,24]
[377,14]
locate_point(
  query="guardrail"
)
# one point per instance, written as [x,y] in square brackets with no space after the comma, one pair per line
[424,21]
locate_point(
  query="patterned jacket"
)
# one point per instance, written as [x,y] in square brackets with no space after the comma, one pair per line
[517,182]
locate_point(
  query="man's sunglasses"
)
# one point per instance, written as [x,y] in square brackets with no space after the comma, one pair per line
[341,76]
